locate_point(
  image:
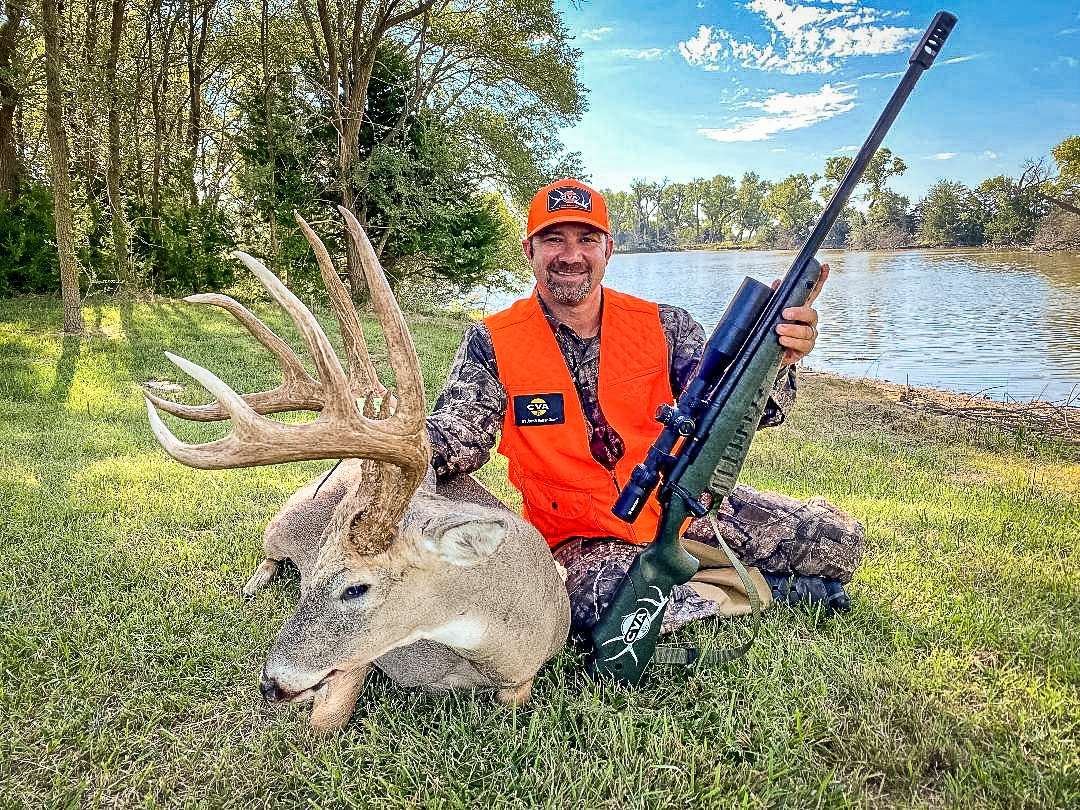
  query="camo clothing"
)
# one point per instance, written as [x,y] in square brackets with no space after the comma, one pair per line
[469,412]
[775,533]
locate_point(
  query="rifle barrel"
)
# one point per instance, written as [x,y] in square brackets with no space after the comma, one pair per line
[921,59]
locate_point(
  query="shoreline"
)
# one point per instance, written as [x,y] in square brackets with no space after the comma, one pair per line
[1060,422]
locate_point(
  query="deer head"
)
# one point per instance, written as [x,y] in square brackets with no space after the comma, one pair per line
[386,571]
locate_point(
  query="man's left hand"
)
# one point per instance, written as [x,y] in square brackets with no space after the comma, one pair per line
[799,335]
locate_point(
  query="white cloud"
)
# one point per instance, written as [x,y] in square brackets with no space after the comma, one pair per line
[943,156]
[894,75]
[597,34]
[647,54]
[785,112]
[1069,61]
[808,37]
[989,154]
[957,59]
[849,148]
[1064,32]
[700,50]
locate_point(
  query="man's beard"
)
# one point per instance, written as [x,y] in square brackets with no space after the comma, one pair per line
[569,292]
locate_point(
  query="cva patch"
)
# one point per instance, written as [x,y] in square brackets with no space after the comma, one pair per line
[538,409]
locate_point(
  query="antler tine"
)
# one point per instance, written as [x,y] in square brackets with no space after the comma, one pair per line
[297,391]
[331,375]
[412,407]
[361,369]
[277,400]
[212,454]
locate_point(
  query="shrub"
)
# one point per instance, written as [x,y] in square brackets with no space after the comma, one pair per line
[28,262]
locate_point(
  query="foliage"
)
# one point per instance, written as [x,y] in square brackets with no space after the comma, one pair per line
[949,215]
[227,128]
[704,211]
[793,209]
[1010,214]
[709,211]
[883,221]
[28,261]
[1058,230]
[285,155]
[184,247]
[1067,156]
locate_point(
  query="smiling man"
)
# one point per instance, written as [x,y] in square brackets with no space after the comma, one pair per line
[571,377]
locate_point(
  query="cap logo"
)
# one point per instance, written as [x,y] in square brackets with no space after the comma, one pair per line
[569,198]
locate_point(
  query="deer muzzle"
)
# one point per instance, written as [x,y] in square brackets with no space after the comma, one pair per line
[275,691]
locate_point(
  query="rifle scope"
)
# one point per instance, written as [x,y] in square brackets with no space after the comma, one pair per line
[727,338]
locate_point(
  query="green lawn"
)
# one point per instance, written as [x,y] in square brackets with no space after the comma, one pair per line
[130,665]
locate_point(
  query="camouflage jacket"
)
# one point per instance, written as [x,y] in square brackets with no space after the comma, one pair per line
[469,412]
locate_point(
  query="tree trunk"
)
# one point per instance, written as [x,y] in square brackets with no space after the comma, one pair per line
[61,176]
[121,230]
[268,133]
[348,160]
[9,100]
[198,39]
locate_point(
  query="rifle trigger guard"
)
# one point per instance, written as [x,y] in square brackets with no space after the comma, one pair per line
[696,507]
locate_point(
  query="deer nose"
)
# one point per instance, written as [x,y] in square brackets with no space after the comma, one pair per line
[270,689]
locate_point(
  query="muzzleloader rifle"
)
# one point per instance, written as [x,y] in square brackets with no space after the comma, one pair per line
[707,433]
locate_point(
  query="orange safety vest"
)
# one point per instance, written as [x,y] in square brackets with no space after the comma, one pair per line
[567,492]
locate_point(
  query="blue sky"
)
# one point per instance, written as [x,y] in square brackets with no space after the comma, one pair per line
[693,88]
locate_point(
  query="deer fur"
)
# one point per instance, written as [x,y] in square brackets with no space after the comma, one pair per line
[466,596]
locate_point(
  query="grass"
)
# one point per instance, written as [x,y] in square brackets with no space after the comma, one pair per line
[130,665]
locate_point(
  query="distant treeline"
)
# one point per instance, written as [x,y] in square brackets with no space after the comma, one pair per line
[140,141]
[1039,208]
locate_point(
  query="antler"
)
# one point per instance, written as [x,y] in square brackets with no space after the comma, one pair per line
[298,391]
[341,430]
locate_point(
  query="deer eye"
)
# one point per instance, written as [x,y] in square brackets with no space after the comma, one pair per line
[354,592]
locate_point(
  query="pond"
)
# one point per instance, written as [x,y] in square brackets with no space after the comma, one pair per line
[1003,323]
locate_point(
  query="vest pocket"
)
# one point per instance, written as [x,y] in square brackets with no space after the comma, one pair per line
[556,510]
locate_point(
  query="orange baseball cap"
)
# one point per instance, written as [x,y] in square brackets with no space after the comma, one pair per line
[567,200]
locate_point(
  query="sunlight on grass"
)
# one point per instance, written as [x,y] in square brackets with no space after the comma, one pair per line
[131,664]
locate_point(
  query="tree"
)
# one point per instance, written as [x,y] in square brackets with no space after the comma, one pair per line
[1058,229]
[1010,214]
[620,206]
[646,197]
[121,229]
[793,209]
[671,213]
[720,204]
[950,215]
[10,32]
[60,164]
[884,223]
[697,191]
[750,199]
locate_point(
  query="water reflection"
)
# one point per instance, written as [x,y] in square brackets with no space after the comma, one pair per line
[960,319]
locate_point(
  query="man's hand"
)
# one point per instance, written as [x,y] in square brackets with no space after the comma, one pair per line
[799,336]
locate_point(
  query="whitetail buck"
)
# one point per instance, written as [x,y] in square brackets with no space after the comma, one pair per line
[436,592]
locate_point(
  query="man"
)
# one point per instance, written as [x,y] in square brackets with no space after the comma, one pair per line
[571,377]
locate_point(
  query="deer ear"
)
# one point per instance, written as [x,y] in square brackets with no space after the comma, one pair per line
[464,539]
